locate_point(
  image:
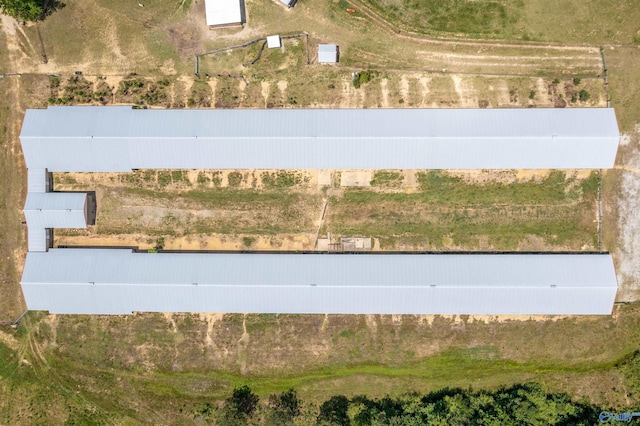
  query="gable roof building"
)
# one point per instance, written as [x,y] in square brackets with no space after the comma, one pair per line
[112,281]
[117,281]
[327,53]
[224,13]
[116,139]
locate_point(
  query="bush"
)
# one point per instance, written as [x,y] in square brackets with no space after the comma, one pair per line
[584,95]
[363,77]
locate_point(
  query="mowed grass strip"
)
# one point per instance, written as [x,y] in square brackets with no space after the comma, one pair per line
[448,212]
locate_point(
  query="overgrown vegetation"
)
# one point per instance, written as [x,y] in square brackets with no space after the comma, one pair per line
[449,212]
[94,369]
[281,179]
[201,95]
[363,77]
[386,178]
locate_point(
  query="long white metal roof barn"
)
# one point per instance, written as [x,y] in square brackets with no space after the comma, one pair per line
[104,281]
[111,139]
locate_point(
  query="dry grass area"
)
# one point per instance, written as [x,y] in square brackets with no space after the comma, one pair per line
[278,210]
[199,210]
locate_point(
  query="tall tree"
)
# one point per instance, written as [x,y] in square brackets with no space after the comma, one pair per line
[26,10]
[284,407]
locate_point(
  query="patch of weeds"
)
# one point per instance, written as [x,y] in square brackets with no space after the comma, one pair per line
[364,77]
[154,95]
[227,93]
[203,179]
[247,241]
[164,178]
[387,178]
[149,175]
[216,178]
[201,95]
[102,93]
[235,179]
[281,179]
[179,176]
[513,95]
[77,90]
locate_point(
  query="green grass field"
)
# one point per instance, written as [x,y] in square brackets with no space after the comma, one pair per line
[592,22]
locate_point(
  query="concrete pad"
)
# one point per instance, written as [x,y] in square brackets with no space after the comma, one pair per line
[356,178]
[324,177]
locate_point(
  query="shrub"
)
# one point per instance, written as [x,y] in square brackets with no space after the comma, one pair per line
[584,95]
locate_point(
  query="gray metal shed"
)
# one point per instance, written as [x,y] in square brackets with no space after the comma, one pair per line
[327,53]
[103,281]
[56,210]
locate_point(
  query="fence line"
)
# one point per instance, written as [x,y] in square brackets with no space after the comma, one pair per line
[600,210]
[243,45]
[605,76]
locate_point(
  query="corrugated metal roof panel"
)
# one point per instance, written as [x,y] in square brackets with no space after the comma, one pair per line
[37,239]
[56,210]
[119,281]
[223,12]
[37,180]
[327,53]
[120,139]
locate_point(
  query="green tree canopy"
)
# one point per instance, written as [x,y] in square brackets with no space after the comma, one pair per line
[26,10]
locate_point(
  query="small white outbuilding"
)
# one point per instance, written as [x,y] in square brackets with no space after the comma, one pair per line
[327,53]
[273,41]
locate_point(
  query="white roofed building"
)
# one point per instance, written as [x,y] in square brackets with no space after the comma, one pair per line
[224,13]
[117,139]
[118,281]
[327,53]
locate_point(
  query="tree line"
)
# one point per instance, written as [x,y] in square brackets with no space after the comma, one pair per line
[520,404]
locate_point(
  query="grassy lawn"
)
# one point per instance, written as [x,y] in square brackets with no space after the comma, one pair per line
[150,366]
[449,213]
[114,35]
[592,22]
